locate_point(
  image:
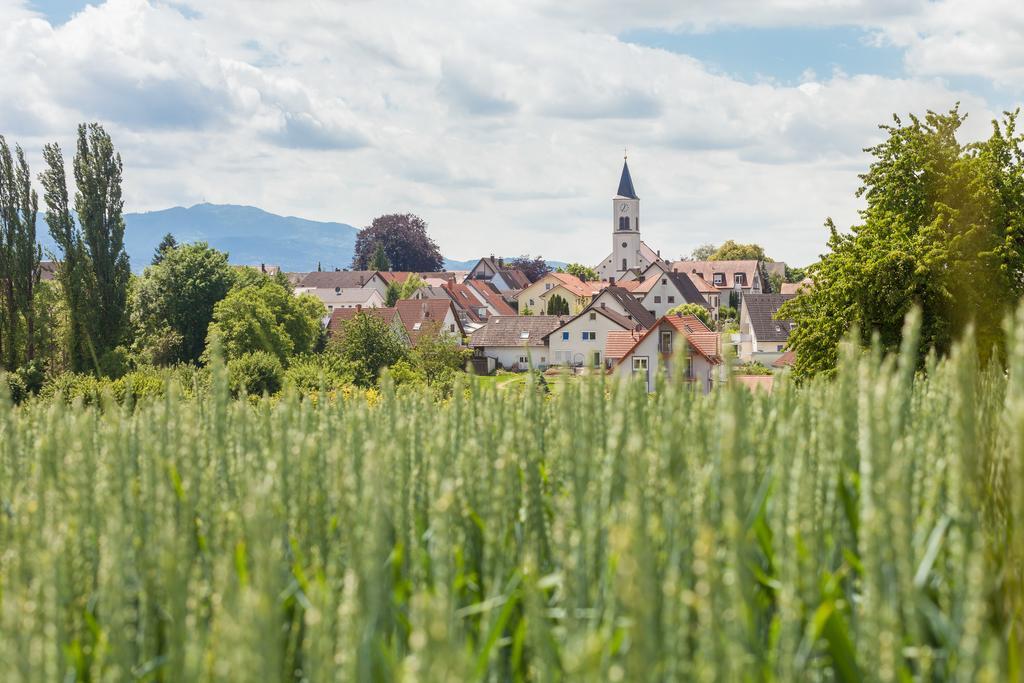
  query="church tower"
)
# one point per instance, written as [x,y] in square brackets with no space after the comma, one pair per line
[625,226]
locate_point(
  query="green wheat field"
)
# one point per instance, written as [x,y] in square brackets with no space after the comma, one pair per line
[866,527]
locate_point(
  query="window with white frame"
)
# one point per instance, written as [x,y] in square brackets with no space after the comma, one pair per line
[639,363]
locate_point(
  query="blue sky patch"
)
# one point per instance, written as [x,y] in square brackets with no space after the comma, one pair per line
[779,54]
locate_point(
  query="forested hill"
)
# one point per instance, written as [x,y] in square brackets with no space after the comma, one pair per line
[249,235]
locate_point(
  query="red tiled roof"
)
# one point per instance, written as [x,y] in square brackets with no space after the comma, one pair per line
[465,298]
[620,342]
[697,333]
[492,296]
[785,360]
[424,311]
[702,285]
[729,269]
[576,285]
[701,339]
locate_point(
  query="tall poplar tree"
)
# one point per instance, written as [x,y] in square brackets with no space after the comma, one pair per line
[100,207]
[72,273]
[19,252]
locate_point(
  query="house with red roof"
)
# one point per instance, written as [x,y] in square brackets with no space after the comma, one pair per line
[422,315]
[677,347]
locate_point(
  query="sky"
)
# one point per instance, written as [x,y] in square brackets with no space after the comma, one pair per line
[503,125]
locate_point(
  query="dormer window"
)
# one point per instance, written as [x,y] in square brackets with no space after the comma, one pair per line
[741,279]
[719,279]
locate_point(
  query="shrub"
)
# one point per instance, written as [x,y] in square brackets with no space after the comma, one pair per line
[752,368]
[72,386]
[256,372]
[15,387]
[145,383]
[314,372]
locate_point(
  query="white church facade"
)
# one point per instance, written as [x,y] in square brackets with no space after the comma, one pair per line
[630,256]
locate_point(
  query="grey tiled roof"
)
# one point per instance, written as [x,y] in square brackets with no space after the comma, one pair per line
[760,309]
[507,330]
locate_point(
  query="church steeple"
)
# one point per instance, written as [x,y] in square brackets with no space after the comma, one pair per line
[626,183]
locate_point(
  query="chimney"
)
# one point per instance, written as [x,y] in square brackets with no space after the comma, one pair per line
[451,280]
[501,262]
[359,307]
[360,280]
[658,253]
[611,282]
[263,268]
[426,312]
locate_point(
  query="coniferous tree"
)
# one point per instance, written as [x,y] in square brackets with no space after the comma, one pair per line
[379,261]
[166,244]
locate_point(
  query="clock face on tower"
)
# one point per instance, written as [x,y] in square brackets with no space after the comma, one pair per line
[623,207]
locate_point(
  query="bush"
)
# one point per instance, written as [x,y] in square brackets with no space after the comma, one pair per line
[16,389]
[256,372]
[315,372]
[752,368]
[72,386]
[146,383]
[115,363]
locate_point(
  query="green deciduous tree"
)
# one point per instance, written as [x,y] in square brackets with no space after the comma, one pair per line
[73,271]
[704,252]
[943,230]
[405,289]
[174,299]
[367,344]
[99,206]
[266,317]
[734,251]
[581,271]
[94,271]
[697,310]
[19,258]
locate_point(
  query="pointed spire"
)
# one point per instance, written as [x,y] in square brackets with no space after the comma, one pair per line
[626,183]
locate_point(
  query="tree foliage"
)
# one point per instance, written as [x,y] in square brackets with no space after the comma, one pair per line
[697,310]
[405,243]
[94,271]
[557,305]
[266,317]
[704,252]
[99,206]
[167,242]
[534,268]
[175,299]
[581,271]
[19,258]
[398,291]
[735,251]
[368,344]
[943,230]
[379,260]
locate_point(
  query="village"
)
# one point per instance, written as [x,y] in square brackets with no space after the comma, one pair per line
[640,316]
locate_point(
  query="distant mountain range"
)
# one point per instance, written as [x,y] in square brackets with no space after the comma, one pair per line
[249,235]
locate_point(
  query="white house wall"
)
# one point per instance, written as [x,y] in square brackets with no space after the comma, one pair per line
[576,351]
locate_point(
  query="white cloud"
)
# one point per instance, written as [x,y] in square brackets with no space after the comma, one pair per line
[501,124]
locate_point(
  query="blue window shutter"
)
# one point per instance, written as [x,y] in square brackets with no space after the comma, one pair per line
[565,336]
